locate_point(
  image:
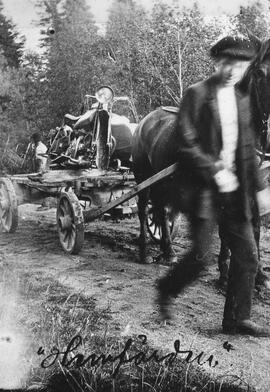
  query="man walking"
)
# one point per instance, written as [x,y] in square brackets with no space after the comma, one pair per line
[217,156]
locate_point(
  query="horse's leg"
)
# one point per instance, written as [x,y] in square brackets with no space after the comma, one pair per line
[142,212]
[166,240]
[262,278]
[223,261]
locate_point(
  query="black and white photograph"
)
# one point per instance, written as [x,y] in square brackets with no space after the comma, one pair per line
[135,195]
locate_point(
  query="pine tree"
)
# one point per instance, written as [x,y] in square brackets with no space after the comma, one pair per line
[49,22]
[11,45]
[70,53]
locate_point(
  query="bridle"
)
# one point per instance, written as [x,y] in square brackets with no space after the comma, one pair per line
[263,115]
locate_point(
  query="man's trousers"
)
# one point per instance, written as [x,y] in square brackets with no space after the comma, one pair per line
[239,235]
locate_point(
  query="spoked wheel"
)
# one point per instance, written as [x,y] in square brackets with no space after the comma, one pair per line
[154,227]
[8,206]
[70,222]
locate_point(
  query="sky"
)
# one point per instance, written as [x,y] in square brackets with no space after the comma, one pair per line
[23,13]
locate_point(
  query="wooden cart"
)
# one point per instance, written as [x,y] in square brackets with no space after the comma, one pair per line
[83,195]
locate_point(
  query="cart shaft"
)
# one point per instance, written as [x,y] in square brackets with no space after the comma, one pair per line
[99,211]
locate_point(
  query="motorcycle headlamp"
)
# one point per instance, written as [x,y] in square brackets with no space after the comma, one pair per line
[104,94]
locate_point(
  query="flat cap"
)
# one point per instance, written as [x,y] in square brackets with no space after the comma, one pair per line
[233,47]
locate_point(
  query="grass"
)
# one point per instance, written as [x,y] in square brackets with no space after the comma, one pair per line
[52,315]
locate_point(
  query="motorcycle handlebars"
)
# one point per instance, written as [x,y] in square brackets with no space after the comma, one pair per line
[115,99]
[121,98]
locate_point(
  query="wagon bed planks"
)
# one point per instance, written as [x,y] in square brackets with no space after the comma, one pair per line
[62,178]
[89,177]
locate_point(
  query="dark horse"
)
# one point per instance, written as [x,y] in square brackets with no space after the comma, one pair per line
[155,147]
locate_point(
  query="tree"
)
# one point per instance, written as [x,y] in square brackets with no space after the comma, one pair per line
[10,104]
[50,21]
[126,33]
[255,18]
[176,51]
[22,100]
[71,55]
[32,87]
[11,45]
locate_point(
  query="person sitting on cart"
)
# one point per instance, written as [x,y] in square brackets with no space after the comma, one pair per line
[40,150]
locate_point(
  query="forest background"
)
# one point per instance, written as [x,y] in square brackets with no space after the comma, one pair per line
[150,56]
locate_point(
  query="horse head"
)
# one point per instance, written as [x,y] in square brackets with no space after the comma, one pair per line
[257,81]
[260,77]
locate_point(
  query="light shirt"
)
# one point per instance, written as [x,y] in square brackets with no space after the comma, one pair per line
[40,150]
[226,179]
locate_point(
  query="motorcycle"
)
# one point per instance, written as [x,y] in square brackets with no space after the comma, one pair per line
[98,138]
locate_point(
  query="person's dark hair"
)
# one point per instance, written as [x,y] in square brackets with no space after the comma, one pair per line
[36,137]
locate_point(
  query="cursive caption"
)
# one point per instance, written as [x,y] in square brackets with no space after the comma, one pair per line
[69,357]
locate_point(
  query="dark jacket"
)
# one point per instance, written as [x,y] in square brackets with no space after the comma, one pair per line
[199,131]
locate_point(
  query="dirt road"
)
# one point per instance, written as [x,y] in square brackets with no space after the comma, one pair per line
[107,270]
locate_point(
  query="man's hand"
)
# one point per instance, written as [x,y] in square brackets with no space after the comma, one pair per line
[263,199]
[226,180]
[219,165]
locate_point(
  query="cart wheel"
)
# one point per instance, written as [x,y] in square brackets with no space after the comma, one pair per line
[154,227]
[70,222]
[8,206]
